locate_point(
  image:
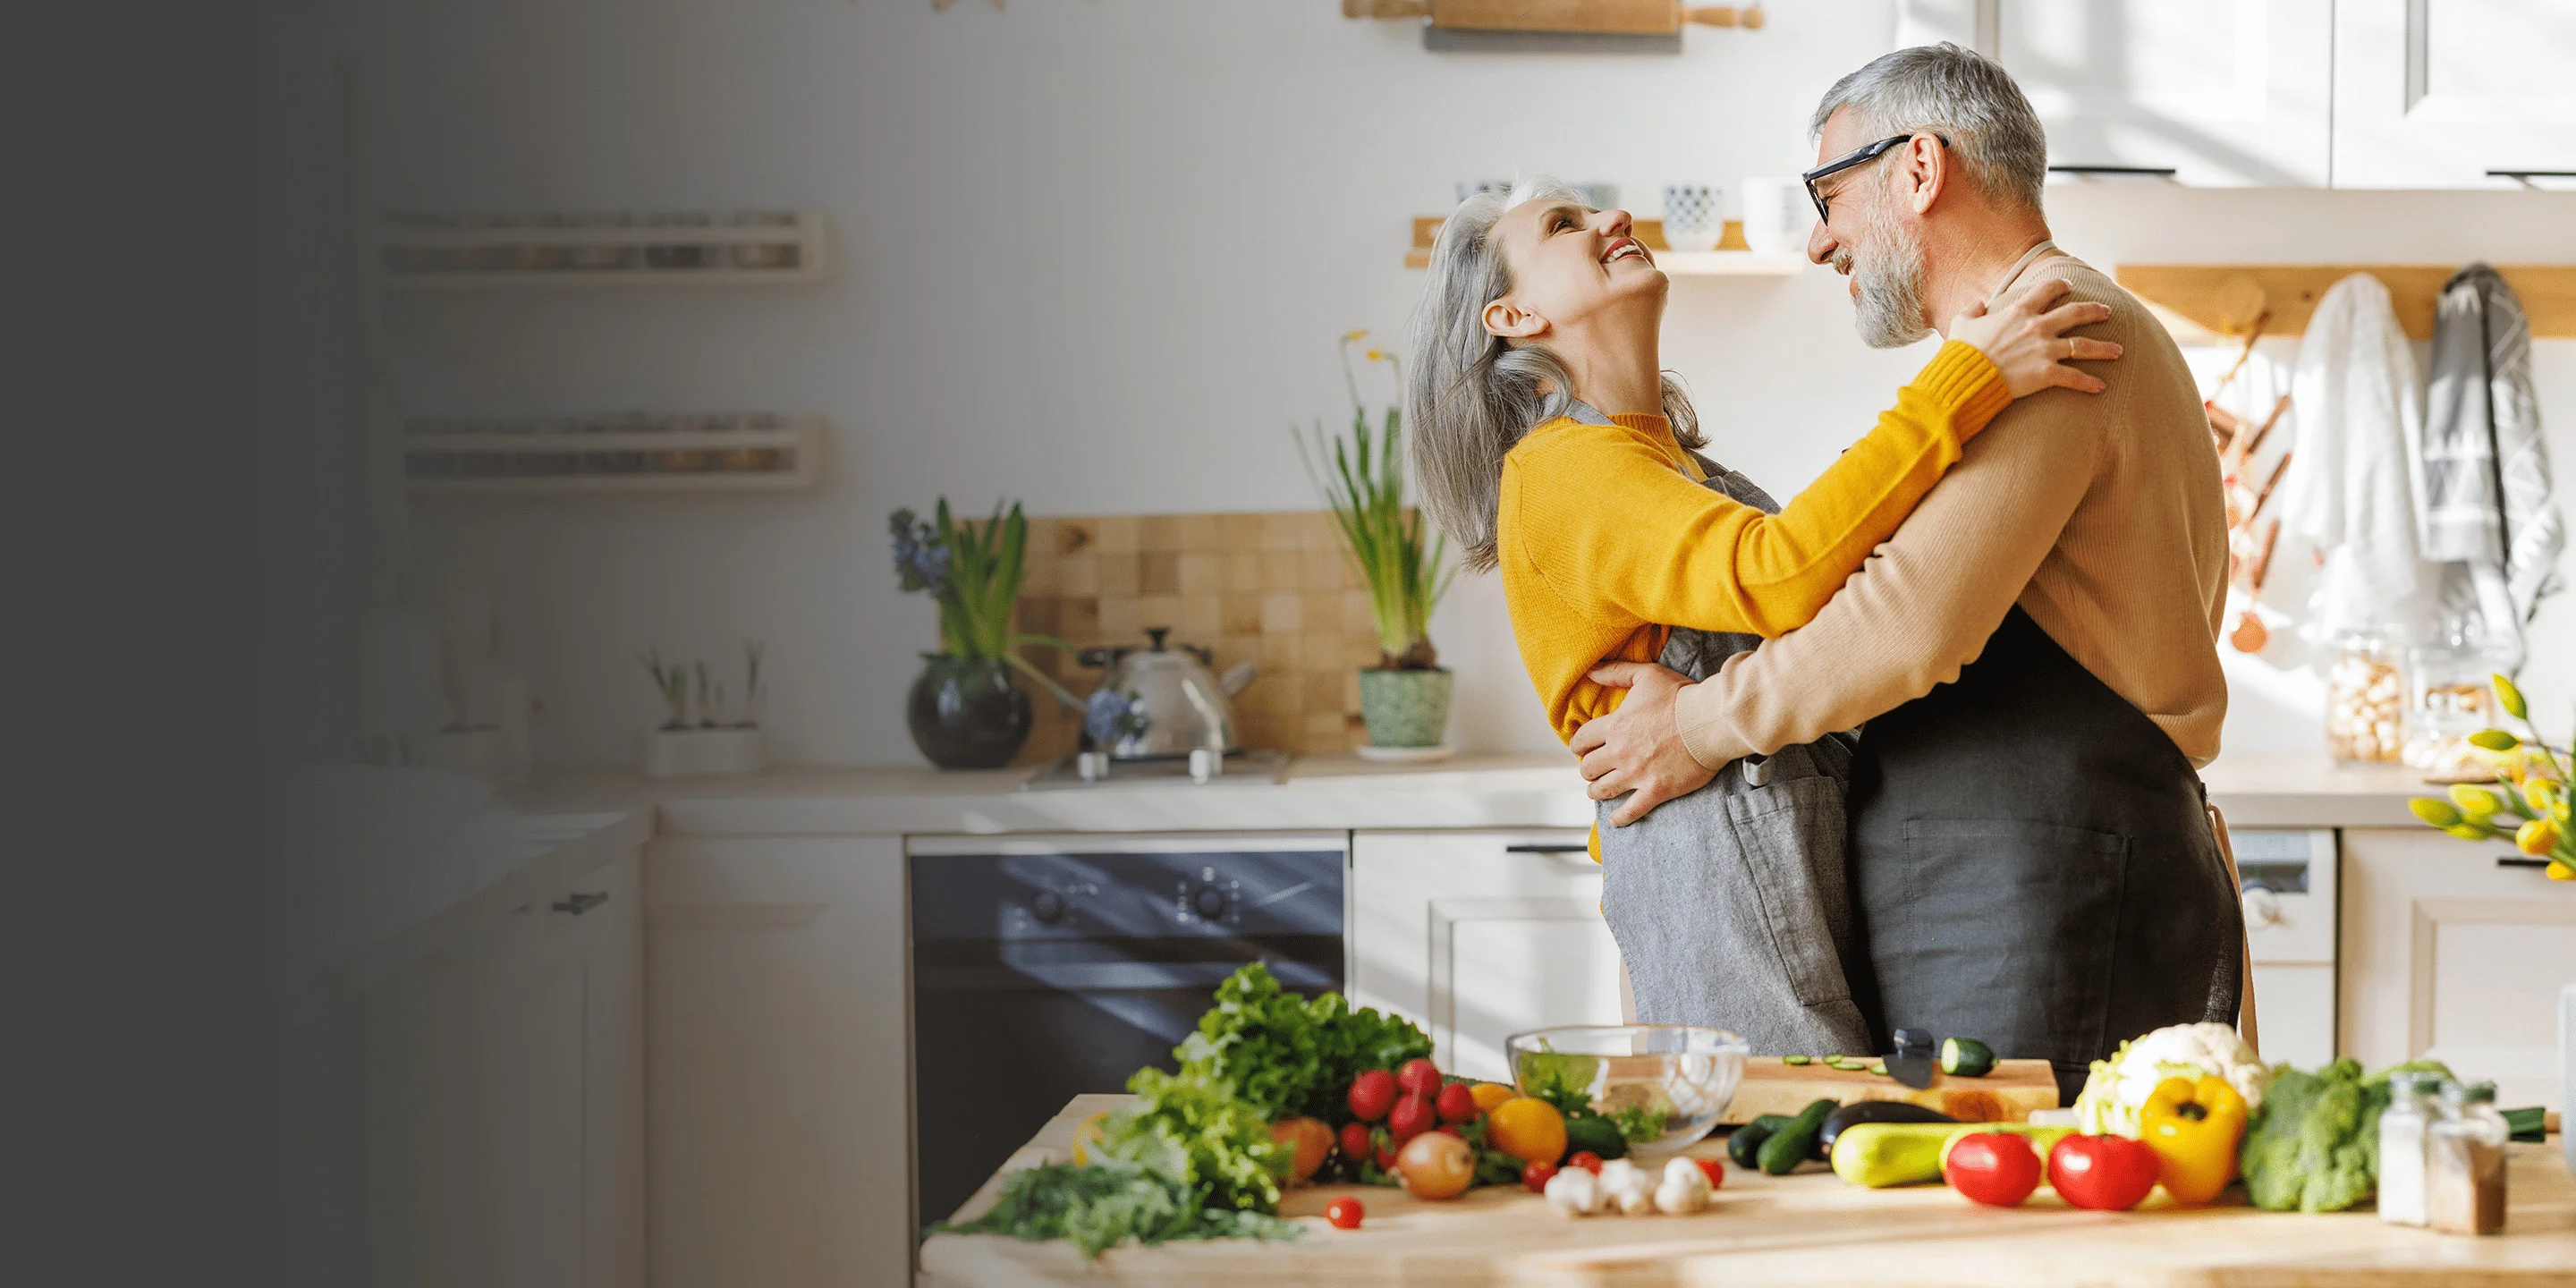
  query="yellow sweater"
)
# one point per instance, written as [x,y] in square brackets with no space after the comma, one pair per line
[1606,539]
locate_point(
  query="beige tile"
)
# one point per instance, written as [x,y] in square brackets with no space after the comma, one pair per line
[1073,536]
[1158,572]
[1351,689]
[1325,569]
[1042,536]
[1232,647]
[1117,534]
[1037,614]
[1281,570]
[1239,614]
[1202,533]
[1316,531]
[1122,620]
[1201,573]
[1282,531]
[1078,618]
[1357,617]
[1281,613]
[1322,613]
[1239,531]
[1360,650]
[1079,575]
[1323,690]
[1202,618]
[1323,730]
[1119,575]
[1278,655]
[1159,533]
[1243,570]
[1162,611]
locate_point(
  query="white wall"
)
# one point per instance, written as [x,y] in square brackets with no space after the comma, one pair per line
[1094,256]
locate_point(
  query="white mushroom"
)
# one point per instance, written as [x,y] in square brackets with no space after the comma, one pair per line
[1682,1171]
[1574,1192]
[1681,1198]
[1628,1187]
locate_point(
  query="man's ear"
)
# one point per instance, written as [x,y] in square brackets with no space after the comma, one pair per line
[1512,322]
[1927,171]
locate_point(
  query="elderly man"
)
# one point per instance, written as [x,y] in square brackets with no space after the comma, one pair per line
[2034,653]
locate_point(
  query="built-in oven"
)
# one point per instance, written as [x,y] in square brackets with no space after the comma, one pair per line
[2289,879]
[1046,967]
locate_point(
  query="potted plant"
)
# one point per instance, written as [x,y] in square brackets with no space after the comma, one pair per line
[1405,697]
[709,744]
[968,710]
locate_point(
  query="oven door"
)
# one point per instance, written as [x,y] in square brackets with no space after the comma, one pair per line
[1041,971]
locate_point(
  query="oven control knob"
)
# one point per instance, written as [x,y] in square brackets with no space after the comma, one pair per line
[1048,906]
[2262,907]
[1209,902]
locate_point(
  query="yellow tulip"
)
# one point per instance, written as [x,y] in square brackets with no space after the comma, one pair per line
[2469,832]
[2511,697]
[2560,871]
[2433,811]
[2494,740]
[1349,336]
[2536,838]
[2475,802]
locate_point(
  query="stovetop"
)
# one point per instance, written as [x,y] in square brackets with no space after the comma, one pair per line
[1266,768]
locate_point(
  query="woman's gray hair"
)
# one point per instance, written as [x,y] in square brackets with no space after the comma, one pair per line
[1958,93]
[1470,396]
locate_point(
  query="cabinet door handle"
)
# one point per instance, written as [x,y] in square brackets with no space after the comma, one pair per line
[1549,847]
[2517,861]
[2531,174]
[2158,171]
[580,901]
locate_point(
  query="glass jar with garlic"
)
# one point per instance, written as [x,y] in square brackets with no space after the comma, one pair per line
[2365,699]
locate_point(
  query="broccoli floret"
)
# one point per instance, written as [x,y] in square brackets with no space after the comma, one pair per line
[2314,1146]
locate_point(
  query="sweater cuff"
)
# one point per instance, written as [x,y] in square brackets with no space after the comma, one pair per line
[1965,385]
[1707,735]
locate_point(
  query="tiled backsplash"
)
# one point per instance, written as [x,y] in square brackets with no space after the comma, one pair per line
[1272,589]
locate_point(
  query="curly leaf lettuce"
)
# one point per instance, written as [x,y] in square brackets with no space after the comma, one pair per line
[1200,1138]
[1103,1204]
[1285,1055]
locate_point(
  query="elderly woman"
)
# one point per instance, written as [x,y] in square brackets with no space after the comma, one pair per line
[1550,444]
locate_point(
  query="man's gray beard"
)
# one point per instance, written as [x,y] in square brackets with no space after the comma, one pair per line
[1890,274]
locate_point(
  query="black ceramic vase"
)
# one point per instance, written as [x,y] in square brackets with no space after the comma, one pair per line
[968,713]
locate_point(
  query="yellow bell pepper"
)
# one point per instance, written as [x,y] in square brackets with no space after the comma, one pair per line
[2194,1127]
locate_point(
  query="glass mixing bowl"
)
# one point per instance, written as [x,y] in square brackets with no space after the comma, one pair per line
[1677,1077]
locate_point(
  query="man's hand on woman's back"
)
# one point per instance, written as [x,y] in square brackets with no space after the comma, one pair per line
[1638,748]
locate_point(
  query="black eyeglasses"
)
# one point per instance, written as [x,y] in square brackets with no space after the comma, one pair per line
[1847,160]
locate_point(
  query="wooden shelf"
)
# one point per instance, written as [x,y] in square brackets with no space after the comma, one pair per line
[470,253]
[1732,258]
[2202,303]
[520,461]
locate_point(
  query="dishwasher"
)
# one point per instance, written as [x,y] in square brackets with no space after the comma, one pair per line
[2290,915]
[1046,967]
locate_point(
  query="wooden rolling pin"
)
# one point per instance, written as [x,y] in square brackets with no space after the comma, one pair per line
[1615,17]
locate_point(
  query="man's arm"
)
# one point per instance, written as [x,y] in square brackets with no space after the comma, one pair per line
[1923,604]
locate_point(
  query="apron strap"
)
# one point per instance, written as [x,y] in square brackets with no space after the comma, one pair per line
[2245,1003]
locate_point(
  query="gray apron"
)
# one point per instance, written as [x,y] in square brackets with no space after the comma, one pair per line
[2033,866]
[1729,904]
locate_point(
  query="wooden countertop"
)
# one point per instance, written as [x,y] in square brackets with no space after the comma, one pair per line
[1800,1230]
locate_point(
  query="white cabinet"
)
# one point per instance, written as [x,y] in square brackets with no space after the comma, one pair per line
[778,1132]
[2224,93]
[2443,95]
[498,1093]
[1479,935]
[2447,954]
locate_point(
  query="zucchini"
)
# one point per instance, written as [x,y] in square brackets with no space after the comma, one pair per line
[1789,1146]
[1875,1111]
[1743,1148]
[1883,1154]
[1966,1058]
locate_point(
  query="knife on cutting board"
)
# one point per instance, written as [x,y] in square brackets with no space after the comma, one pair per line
[1912,1062]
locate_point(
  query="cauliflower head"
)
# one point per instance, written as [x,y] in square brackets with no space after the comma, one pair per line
[2119,1086]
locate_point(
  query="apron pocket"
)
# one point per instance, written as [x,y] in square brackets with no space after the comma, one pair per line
[1790,834]
[2003,928]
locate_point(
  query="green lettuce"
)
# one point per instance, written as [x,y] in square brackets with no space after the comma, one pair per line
[1103,1204]
[1198,1137]
[1285,1055]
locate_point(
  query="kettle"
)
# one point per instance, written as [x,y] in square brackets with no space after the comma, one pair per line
[1164,702]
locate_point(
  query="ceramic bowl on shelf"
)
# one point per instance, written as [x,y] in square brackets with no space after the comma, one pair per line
[1680,1076]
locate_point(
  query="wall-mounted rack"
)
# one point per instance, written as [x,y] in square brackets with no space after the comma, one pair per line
[725,452]
[1732,258]
[1555,26]
[464,252]
[2201,303]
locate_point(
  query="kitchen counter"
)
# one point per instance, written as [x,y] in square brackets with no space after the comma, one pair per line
[1800,1230]
[1319,793]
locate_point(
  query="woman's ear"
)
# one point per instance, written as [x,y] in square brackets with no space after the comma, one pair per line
[1512,322]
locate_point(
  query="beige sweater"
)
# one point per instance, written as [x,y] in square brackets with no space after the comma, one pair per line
[2100,514]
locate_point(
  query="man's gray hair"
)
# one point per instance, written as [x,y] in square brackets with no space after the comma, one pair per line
[1958,93]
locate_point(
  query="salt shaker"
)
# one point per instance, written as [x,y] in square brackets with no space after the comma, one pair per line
[2402,1148]
[2464,1162]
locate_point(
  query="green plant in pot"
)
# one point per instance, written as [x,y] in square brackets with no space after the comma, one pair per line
[970,709]
[1405,697]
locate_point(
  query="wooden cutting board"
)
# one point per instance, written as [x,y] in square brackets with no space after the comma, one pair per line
[2007,1095]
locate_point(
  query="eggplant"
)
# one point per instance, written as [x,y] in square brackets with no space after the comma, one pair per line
[1873,1111]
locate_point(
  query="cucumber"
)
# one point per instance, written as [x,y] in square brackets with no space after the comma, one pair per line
[1744,1146]
[1878,1067]
[1795,1060]
[1595,1133]
[1966,1057]
[1789,1146]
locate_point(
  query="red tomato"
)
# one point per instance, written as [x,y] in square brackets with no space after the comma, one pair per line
[2105,1173]
[1995,1168]
[1345,1213]
[1411,1117]
[1355,1141]
[1372,1094]
[1386,1156]
[1713,1169]
[1450,1129]
[1419,1076]
[1535,1175]
[1587,1160]
[1456,1103]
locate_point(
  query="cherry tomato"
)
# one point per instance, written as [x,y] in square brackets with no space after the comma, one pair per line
[1385,1152]
[1995,1168]
[1456,1103]
[1419,1076]
[1534,1177]
[1411,1117]
[1450,1129]
[1587,1160]
[1713,1169]
[1345,1213]
[1372,1094]
[1355,1141]
[2105,1173]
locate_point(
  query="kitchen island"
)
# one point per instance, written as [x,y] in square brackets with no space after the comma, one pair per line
[1800,1230]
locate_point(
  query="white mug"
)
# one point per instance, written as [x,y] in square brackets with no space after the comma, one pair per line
[1777,215]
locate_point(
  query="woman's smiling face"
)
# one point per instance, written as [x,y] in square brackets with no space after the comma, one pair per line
[1568,264]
